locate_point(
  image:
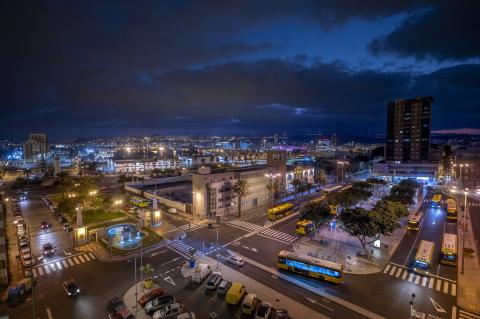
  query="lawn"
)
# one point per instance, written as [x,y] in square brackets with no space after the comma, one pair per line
[92,216]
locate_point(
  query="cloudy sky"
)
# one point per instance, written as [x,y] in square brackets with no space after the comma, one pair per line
[90,68]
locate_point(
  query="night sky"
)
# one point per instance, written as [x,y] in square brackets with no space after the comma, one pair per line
[103,68]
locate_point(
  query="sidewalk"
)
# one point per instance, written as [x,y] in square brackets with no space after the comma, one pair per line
[336,245]
[468,295]
[278,300]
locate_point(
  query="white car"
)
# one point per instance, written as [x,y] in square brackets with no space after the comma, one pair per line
[214,280]
[236,260]
[186,315]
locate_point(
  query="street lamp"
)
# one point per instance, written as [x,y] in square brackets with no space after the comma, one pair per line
[342,163]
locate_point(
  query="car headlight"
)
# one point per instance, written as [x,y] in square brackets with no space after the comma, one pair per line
[78,290]
[69,294]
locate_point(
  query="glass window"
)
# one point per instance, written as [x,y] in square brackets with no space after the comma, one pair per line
[312,268]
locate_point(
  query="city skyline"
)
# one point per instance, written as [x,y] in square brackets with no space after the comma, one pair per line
[83,70]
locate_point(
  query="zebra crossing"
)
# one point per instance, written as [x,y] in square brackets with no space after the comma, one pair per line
[474,204]
[190,227]
[60,264]
[269,232]
[442,285]
[462,314]
[182,249]
[275,234]
[244,225]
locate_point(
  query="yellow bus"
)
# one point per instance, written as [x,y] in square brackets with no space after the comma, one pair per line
[139,202]
[305,227]
[280,211]
[451,209]
[448,253]
[309,266]
[436,200]
[415,221]
[423,258]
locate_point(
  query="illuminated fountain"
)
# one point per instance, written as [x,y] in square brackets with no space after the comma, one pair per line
[120,236]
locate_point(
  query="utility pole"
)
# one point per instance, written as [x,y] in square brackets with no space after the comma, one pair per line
[464,231]
[217,246]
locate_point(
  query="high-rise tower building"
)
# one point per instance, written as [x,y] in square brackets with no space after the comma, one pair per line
[36,147]
[408,130]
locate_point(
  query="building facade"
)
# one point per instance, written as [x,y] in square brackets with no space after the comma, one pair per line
[36,147]
[213,194]
[408,130]
[136,166]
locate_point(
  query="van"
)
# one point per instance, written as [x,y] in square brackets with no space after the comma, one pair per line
[200,273]
[235,293]
[249,303]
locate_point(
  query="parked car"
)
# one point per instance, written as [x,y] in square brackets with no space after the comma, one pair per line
[18,219]
[249,304]
[236,260]
[223,287]
[170,311]
[263,310]
[28,261]
[48,250]
[66,226]
[200,273]
[45,225]
[23,240]
[155,293]
[282,314]
[24,249]
[71,287]
[235,293]
[158,303]
[117,309]
[214,280]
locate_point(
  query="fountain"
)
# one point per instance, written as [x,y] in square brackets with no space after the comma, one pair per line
[120,236]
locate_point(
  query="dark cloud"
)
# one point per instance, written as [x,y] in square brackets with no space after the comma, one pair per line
[448,30]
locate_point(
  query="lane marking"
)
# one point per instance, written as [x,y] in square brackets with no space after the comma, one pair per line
[445,287]
[76,260]
[405,274]
[86,257]
[53,267]
[417,279]
[58,265]
[40,271]
[64,263]
[437,306]
[70,262]
[430,284]
[92,256]
[47,270]
[169,280]
[454,312]
[466,314]
[81,258]
[439,285]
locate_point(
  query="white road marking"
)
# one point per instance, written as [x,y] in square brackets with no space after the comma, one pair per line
[81,259]
[392,271]
[58,265]
[424,281]
[169,280]
[47,270]
[410,277]
[430,284]
[405,274]
[86,257]
[40,271]
[445,287]
[70,262]
[454,312]
[64,263]
[468,315]
[34,273]
[92,256]
[417,279]
[386,269]
[454,290]
[76,260]
[399,272]
[53,267]
[49,313]
[439,285]
[437,306]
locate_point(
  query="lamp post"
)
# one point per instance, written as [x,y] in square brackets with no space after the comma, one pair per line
[342,163]
[464,231]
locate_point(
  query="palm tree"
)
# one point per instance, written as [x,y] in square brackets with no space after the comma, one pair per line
[273,189]
[148,270]
[66,184]
[240,188]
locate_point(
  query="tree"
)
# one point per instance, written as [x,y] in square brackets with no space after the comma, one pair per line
[409,183]
[362,185]
[402,194]
[320,177]
[377,181]
[122,179]
[367,225]
[318,211]
[348,197]
[240,189]
[65,185]
[148,270]
[394,208]
[27,172]
[296,184]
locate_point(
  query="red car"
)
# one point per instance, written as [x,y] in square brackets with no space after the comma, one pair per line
[155,293]
[46,225]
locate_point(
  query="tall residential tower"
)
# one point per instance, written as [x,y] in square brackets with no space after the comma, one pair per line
[408,130]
